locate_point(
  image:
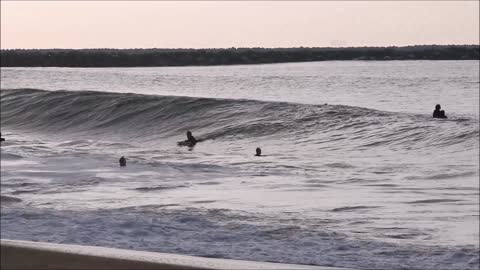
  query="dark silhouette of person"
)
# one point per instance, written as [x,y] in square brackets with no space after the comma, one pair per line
[1,139]
[190,139]
[259,152]
[437,113]
[123,162]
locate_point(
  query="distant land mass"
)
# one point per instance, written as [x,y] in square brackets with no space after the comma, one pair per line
[229,56]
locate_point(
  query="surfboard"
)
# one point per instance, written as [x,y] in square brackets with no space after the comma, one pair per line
[185,143]
[188,143]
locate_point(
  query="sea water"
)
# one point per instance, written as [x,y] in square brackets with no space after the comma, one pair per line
[355,173]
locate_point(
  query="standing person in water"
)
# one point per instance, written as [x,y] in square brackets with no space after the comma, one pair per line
[437,113]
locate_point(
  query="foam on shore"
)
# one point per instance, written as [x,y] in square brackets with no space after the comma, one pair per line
[38,255]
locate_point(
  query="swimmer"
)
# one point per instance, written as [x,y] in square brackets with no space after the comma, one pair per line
[259,152]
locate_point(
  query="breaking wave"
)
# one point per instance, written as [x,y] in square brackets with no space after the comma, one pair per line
[151,117]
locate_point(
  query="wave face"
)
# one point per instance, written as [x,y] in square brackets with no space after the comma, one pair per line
[150,118]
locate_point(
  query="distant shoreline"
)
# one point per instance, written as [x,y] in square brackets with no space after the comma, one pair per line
[82,58]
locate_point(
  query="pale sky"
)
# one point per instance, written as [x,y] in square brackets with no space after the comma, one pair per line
[223,24]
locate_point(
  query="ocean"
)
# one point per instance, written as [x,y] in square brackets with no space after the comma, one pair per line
[355,171]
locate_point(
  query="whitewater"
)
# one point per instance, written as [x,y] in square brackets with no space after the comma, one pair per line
[355,173]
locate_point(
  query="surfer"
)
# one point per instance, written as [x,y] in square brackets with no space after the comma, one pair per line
[437,113]
[122,161]
[190,139]
[259,152]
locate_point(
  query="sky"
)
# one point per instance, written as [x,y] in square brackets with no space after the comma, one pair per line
[224,24]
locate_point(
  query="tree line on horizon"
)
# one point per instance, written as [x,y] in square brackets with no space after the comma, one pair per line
[230,56]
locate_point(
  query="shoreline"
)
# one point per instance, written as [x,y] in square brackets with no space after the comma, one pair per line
[158,57]
[17,254]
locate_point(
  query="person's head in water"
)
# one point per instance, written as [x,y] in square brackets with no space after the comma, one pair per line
[123,162]
[259,152]
[438,107]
